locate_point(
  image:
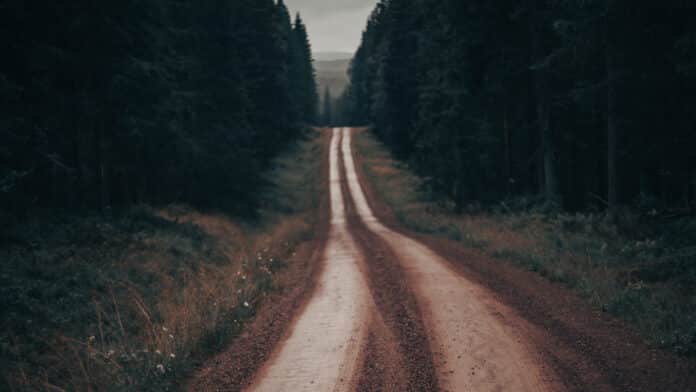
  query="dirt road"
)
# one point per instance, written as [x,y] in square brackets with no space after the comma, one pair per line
[389,310]
[473,339]
[322,350]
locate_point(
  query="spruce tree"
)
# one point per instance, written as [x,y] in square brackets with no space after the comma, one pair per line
[145,101]
[307,87]
[556,100]
[327,112]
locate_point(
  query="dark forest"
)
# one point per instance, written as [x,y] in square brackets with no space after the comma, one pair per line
[491,195]
[589,104]
[108,104]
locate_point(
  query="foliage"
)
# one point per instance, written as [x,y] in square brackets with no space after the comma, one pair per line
[109,106]
[137,300]
[121,102]
[491,100]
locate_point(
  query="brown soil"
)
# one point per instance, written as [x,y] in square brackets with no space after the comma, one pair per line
[234,369]
[477,343]
[382,363]
[403,347]
[588,349]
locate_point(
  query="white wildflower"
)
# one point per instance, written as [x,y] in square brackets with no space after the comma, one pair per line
[164,329]
[172,356]
[160,368]
[158,352]
[171,336]
[246,304]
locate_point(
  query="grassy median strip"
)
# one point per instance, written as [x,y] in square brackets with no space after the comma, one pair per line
[641,271]
[132,302]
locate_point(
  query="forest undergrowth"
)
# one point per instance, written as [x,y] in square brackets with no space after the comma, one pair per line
[640,269]
[134,301]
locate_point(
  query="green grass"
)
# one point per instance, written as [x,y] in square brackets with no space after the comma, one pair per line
[643,270]
[134,301]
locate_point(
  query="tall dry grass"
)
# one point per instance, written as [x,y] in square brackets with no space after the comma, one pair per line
[155,291]
[644,276]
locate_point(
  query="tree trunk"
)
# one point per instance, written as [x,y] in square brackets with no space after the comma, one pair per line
[693,190]
[102,171]
[508,154]
[458,197]
[643,183]
[611,74]
[56,195]
[543,111]
[142,184]
[546,134]
[78,185]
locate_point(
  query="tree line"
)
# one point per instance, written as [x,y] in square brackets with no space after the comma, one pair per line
[588,104]
[112,103]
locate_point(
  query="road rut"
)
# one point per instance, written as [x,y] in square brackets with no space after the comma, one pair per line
[323,348]
[475,347]
[379,310]
[437,321]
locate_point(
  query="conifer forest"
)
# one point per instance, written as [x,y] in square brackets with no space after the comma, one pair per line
[588,104]
[348,195]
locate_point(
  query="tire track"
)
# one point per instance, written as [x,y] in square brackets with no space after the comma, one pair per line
[473,339]
[234,368]
[324,347]
[398,355]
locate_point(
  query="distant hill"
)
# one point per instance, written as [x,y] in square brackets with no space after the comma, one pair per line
[329,56]
[332,73]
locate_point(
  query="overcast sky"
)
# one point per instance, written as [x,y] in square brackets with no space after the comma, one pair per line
[333,25]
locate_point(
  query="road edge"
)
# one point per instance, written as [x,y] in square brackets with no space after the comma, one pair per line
[584,347]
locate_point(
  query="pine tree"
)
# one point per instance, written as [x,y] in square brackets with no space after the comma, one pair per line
[293,64]
[145,101]
[327,112]
[308,97]
[490,100]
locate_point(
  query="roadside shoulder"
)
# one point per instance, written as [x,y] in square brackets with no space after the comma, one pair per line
[586,346]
